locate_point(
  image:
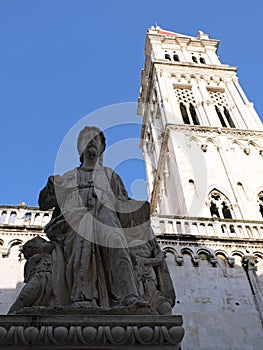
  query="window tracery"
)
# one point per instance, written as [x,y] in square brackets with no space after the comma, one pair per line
[187,105]
[222,109]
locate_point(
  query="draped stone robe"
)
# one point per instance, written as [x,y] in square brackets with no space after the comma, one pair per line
[91,259]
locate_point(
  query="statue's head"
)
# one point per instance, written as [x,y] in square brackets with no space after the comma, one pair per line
[36,245]
[86,136]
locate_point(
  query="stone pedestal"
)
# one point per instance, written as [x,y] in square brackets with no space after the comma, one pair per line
[91,332]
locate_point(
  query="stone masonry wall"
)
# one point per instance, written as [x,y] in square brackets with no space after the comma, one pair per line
[215,299]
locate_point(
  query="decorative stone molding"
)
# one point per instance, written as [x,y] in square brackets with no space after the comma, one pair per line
[231,261]
[195,260]
[249,262]
[213,261]
[179,259]
[91,331]
[233,133]
[204,147]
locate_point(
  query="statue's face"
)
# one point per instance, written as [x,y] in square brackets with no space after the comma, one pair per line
[91,144]
[142,251]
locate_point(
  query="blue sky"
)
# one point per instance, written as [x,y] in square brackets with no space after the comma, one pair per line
[62,60]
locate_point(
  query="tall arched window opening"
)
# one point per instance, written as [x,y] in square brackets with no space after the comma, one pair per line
[222,121]
[219,205]
[219,100]
[187,105]
[184,113]
[228,117]
[193,114]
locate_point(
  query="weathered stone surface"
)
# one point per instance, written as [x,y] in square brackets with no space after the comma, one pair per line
[102,251]
[91,332]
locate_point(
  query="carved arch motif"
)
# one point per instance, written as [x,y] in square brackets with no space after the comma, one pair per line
[237,253]
[255,144]
[196,139]
[14,242]
[10,245]
[204,251]
[221,252]
[238,143]
[258,254]
[238,256]
[168,249]
[187,251]
[214,141]
[215,79]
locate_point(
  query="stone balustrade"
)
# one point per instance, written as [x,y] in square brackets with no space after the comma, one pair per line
[23,216]
[210,227]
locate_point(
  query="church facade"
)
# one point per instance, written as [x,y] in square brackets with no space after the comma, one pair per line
[203,148]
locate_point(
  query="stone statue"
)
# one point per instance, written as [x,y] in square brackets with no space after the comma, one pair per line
[148,259]
[37,275]
[93,229]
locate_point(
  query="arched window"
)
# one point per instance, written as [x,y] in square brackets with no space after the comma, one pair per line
[176,58]
[222,121]
[219,205]
[184,113]
[194,59]
[228,117]
[167,57]
[193,114]
[27,216]
[202,60]
[214,210]
[3,217]
[219,100]
[187,105]
[12,218]
[226,211]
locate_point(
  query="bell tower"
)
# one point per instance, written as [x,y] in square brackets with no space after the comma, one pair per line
[201,137]
[202,142]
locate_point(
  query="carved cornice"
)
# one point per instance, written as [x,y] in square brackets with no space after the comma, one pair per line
[215,130]
[229,247]
[91,332]
[195,68]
